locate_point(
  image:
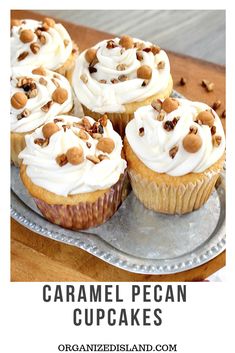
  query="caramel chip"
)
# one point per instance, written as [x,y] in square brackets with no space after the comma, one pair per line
[192,143]
[60,95]
[26,36]
[49,129]
[19,100]
[106,145]
[206,118]
[75,155]
[49,21]
[126,42]
[144,72]
[170,104]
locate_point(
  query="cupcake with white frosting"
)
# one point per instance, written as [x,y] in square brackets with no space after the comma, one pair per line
[36,96]
[74,170]
[119,75]
[175,151]
[42,43]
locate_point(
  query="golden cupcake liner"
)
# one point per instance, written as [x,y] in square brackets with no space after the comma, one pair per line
[17,145]
[173,199]
[118,120]
[68,67]
[85,214]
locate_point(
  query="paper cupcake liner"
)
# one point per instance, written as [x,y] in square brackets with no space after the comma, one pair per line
[85,214]
[118,120]
[173,199]
[68,67]
[17,145]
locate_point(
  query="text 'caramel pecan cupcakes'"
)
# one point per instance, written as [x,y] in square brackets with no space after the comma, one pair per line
[74,170]
[175,151]
[36,95]
[119,75]
[42,43]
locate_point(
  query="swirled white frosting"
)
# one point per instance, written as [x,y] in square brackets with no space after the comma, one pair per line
[109,97]
[52,54]
[37,116]
[153,147]
[44,171]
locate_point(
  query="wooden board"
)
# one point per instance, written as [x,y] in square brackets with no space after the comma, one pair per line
[36,258]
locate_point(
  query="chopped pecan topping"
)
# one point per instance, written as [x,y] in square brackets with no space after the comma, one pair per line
[35,48]
[45,108]
[32,93]
[139,55]
[208,85]
[139,45]
[161,116]
[102,157]
[114,80]
[216,140]
[42,81]
[155,49]
[41,142]
[168,125]
[111,44]
[22,56]
[122,78]
[157,105]
[121,67]
[62,160]
[86,123]
[223,115]
[213,130]
[145,83]
[92,69]
[88,145]
[161,65]
[141,131]
[23,114]
[96,135]
[58,120]
[65,127]
[193,130]
[182,81]
[93,159]
[66,42]
[173,151]
[103,120]
[83,135]
[84,78]
[56,83]
[102,81]
[216,105]
[147,50]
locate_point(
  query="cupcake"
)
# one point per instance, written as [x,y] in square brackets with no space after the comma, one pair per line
[42,43]
[117,76]
[74,170]
[36,96]
[175,150]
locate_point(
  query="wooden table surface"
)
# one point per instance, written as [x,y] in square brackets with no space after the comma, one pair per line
[36,258]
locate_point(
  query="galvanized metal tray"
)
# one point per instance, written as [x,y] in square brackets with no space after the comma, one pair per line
[135,238]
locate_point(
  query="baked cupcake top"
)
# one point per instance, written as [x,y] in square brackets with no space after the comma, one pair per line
[36,95]
[118,71]
[69,155]
[37,43]
[176,136]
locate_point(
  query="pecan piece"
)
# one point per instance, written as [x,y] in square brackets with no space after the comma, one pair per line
[93,159]
[173,151]
[61,160]
[45,108]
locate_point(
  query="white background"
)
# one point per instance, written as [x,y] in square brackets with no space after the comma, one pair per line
[30,325]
